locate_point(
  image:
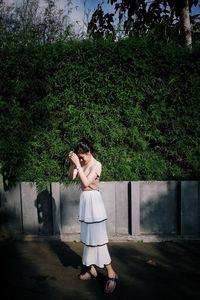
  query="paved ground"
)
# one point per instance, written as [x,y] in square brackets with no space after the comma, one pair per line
[48,269]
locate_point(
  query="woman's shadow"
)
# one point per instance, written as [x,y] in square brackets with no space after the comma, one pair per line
[66,255]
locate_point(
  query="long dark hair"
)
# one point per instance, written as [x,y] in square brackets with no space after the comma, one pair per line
[83,146]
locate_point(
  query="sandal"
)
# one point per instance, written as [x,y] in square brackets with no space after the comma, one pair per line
[111,282]
[86,275]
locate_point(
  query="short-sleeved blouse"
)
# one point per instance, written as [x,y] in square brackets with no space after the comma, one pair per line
[96,167]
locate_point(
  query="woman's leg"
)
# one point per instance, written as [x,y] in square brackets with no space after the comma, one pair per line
[111,273]
[112,279]
[93,271]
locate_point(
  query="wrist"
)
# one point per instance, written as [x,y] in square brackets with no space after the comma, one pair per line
[78,167]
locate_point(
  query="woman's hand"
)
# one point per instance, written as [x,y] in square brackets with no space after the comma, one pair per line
[74,162]
[73,158]
[70,155]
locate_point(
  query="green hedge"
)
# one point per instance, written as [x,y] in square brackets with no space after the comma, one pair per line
[139,101]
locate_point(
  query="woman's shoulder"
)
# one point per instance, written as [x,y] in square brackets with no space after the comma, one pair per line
[96,166]
[97,163]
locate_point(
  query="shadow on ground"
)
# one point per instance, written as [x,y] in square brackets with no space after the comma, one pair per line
[48,269]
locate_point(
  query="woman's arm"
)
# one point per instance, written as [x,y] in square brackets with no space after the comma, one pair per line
[85,180]
[72,172]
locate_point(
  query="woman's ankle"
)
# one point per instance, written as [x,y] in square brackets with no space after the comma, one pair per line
[93,270]
[111,274]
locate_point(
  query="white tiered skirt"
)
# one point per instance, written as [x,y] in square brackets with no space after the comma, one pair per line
[92,215]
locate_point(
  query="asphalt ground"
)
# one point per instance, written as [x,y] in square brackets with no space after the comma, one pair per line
[47,269]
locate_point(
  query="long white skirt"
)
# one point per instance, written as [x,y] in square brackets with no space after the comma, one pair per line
[92,215]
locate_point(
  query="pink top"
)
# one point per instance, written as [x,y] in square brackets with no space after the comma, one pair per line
[96,167]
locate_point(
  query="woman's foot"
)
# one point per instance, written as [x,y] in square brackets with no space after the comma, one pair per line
[88,274]
[111,284]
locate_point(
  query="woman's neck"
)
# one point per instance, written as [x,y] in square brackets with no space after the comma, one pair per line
[90,162]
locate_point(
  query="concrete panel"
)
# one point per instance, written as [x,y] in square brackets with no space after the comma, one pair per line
[135,208]
[11,201]
[69,208]
[29,208]
[37,210]
[159,207]
[107,190]
[121,192]
[55,192]
[44,210]
[190,208]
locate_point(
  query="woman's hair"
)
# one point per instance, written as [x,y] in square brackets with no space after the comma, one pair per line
[83,146]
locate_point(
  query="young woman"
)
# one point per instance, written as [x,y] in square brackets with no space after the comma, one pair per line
[92,214]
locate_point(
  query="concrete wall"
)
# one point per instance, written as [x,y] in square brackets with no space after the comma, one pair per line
[134,208]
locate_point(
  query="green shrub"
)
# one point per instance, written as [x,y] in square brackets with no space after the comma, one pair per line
[138,100]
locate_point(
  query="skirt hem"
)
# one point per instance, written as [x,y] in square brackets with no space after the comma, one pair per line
[94,245]
[93,221]
[99,266]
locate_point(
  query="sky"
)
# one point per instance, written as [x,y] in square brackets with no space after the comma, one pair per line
[82,10]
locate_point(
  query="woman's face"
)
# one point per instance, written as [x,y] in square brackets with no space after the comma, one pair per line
[84,158]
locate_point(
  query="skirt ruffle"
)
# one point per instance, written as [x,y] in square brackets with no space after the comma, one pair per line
[91,208]
[94,234]
[98,256]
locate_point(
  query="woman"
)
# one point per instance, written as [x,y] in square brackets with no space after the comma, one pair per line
[92,214]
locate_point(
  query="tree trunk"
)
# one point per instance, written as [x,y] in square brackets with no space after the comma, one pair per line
[186,26]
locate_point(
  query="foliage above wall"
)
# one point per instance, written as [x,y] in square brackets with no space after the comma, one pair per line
[139,101]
